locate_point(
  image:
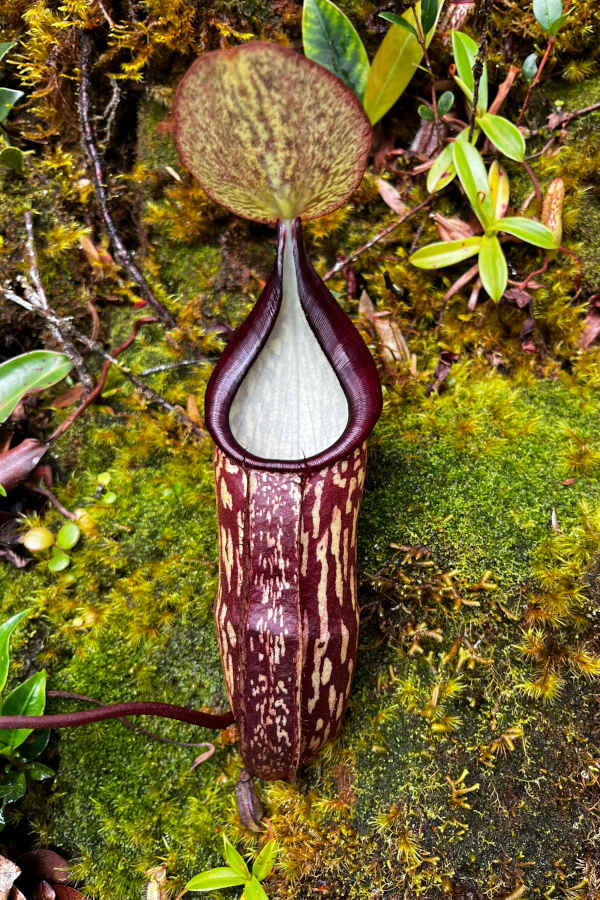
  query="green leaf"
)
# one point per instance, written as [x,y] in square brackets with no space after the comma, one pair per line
[558,23]
[394,65]
[330,38]
[255,891]
[473,177]
[529,230]
[6,630]
[68,536]
[8,98]
[14,789]
[445,253]
[58,561]
[547,12]
[396,19]
[264,862]
[235,860]
[493,270]
[12,158]
[39,772]
[425,113]
[2,491]
[27,699]
[442,171]
[429,11]
[6,47]
[465,54]
[445,103]
[503,135]
[35,744]
[530,67]
[499,190]
[214,879]
[29,372]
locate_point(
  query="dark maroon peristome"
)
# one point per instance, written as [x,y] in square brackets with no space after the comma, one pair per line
[340,342]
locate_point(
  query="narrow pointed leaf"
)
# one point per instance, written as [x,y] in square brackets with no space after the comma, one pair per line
[503,135]
[397,19]
[499,190]
[429,11]
[493,270]
[442,171]
[29,372]
[394,66]
[558,23]
[465,54]
[8,98]
[234,859]
[529,230]
[27,699]
[445,253]
[6,630]
[256,92]
[214,879]
[473,177]
[264,862]
[330,38]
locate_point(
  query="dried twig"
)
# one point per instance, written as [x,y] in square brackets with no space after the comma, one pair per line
[121,253]
[166,367]
[37,296]
[344,262]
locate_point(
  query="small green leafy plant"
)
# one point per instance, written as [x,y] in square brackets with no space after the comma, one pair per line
[237,873]
[10,156]
[331,39]
[505,136]
[488,194]
[20,748]
[40,539]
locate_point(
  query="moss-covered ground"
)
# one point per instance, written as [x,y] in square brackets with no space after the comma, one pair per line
[469,764]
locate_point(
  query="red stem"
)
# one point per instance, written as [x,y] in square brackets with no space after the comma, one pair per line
[116,711]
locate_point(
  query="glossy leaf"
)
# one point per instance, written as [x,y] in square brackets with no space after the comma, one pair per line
[27,699]
[473,177]
[6,47]
[285,161]
[445,103]
[445,253]
[29,372]
[214,879]
[234,859]
[8,98]
[529,230]
[493,270]
[38,539]
[255,891]
[394,66]
[13,789]
[35,744]
[547,12]
[39,772]
[397,19]
[442,171]
[6,630]
[425,113]
[465,54]
[503,135]
[429,11]
[330,38]
[68,536]
[58,561]
[530,67]
[499,190]
[264,862]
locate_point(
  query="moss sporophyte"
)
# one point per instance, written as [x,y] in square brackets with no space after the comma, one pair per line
[289,405]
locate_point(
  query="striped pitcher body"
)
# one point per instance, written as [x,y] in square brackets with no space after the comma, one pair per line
[286,609]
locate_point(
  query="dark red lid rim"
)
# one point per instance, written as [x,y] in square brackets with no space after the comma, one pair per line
[340,342]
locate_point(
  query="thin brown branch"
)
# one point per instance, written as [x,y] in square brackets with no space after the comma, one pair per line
[38,489]
[535,183]
[122,255]
[344,262]
[503,90]
[39,298]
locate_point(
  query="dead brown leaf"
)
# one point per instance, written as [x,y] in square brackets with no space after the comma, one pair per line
[193,411]
[391,197]
[19,463]
[451,228]
[68,398]
[394,346]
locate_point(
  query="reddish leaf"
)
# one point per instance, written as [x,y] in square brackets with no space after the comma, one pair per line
[18,463]
[63,892]
[44,891]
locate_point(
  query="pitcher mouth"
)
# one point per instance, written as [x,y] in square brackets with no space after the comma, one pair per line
[340,342]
